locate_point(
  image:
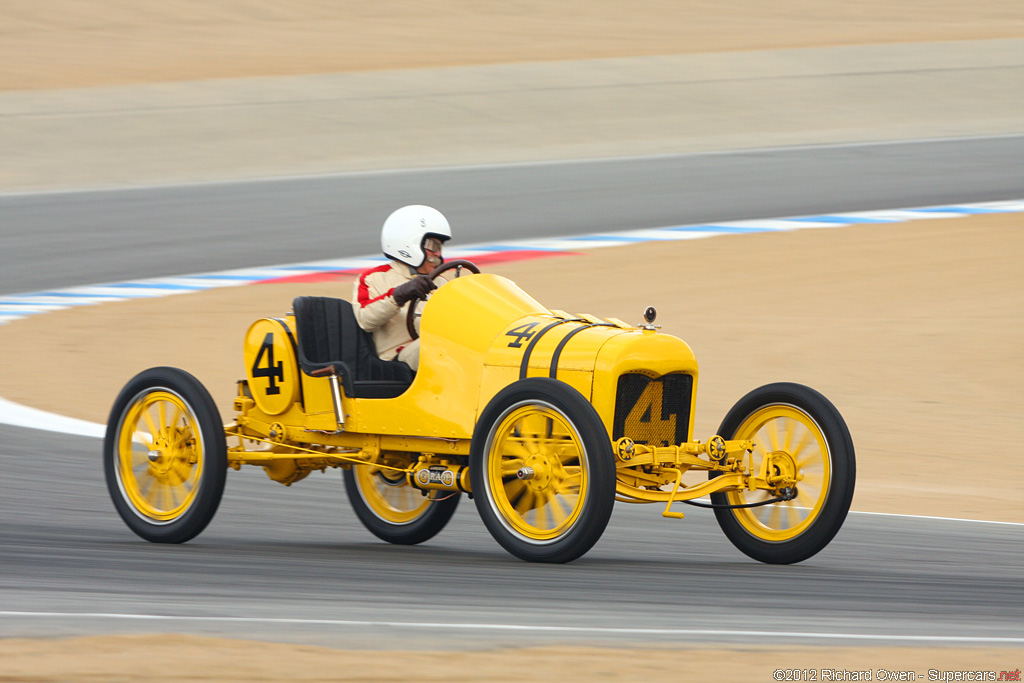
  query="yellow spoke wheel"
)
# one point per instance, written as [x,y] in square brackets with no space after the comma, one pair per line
[158,448]
[542,471]
[799,456]
[165,455]
[393,510]
[804,449]
[537,471]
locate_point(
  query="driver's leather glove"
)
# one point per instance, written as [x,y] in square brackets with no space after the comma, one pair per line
[416,288]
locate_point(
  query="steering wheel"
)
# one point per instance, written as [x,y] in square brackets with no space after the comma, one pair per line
[459,264]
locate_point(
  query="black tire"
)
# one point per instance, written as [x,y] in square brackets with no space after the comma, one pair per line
[574,467]
[395,521]
[166,488]
[812,427]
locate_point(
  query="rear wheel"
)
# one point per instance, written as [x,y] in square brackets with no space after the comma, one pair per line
[810,455]
[394,511]
[542,471]
[165,456]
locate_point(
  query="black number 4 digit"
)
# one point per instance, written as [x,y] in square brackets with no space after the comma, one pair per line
[274,372]
[521,333]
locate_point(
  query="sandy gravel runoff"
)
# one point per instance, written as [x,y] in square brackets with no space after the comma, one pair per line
[106,660]
[68,43]
[914,331]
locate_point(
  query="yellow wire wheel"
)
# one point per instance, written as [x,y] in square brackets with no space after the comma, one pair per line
[798,456]
[804,450]
[159,445]
[165,456]
[536,471]
[542,471]
[393,510]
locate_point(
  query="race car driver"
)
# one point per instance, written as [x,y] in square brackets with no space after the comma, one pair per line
[412,238]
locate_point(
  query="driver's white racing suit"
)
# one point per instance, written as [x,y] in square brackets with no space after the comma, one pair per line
[377,313]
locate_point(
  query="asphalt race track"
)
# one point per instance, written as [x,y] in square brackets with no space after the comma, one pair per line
[300,554]
[295,564]
[56,240]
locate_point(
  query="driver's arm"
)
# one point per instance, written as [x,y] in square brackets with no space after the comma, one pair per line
[372,296]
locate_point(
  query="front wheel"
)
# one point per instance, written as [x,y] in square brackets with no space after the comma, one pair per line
[165,456]
[810,457]
[392,510]
[542,471]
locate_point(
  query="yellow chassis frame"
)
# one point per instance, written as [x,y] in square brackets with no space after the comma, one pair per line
[642,471]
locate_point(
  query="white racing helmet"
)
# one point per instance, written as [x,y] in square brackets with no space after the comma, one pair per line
[404,231]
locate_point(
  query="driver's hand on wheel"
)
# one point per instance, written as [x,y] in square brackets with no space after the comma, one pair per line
[416,288]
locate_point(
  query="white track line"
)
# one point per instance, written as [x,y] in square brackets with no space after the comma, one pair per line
[589,630]
[23,416]
[941,519]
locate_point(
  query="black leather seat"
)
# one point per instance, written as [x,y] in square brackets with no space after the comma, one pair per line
[328,334]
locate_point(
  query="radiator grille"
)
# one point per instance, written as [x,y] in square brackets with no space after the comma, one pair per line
[650,411]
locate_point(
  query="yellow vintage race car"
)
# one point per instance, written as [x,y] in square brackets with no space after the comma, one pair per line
[542,417]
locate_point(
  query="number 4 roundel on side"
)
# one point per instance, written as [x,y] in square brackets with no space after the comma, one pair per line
[270,366]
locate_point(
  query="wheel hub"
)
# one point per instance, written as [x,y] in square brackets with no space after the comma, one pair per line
[171,457]
[540,467]
[160,460]
[782,470]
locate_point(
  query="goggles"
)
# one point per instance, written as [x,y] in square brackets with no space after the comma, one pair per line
[432,244]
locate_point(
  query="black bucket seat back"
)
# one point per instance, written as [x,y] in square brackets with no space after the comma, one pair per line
[328,335]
